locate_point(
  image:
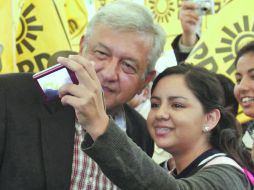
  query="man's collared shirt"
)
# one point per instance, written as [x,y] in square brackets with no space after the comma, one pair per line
[86,174]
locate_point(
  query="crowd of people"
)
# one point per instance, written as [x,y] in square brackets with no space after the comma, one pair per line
[91,137]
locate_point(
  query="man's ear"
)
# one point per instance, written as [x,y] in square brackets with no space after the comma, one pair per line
[81,44]
[149,77]
[212,118]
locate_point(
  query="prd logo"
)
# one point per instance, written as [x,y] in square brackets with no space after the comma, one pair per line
[234,39]
[161,9]
[26,32]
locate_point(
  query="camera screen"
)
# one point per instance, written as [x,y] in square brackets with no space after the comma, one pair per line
[51,83]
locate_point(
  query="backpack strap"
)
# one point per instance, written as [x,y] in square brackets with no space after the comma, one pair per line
[210,158]
[223,159]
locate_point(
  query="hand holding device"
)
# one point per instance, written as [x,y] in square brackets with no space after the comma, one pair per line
[50,80]
[205,7]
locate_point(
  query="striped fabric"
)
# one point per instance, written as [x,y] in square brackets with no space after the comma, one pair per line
[86,174]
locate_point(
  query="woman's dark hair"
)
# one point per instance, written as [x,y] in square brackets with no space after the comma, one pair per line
[247,48]
[226,136]
[228,89]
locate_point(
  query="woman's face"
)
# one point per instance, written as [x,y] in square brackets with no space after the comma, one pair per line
[244,88]
[176,118]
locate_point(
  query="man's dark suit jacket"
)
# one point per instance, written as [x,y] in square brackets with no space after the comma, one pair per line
[37,138]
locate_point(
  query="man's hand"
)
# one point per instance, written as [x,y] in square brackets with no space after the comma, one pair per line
[86,97]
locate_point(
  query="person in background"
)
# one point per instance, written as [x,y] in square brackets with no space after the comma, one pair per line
[190,23]
[248,137]
[40,141]
[244,88]
[206,145]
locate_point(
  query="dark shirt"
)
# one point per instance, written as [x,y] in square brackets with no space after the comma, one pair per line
[194,166]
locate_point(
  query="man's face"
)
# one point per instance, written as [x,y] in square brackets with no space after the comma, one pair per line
[121,60]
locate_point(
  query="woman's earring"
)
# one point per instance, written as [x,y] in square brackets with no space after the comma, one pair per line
[205,129]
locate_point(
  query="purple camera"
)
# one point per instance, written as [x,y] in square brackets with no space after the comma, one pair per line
[51,79]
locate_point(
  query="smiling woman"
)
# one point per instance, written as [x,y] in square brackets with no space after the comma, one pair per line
[187,119]
[244,88]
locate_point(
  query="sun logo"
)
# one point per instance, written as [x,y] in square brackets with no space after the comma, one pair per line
[161,9]
[26,29]
[234,39]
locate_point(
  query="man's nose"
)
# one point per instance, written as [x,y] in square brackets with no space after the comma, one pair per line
[111,69]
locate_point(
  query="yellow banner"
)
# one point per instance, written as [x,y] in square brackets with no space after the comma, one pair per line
[166,14]
[7,37]
[77,18]
[41,31]
[227,32]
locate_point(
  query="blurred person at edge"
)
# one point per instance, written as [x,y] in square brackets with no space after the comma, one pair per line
[244,88]
[190,24]
[40,142]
